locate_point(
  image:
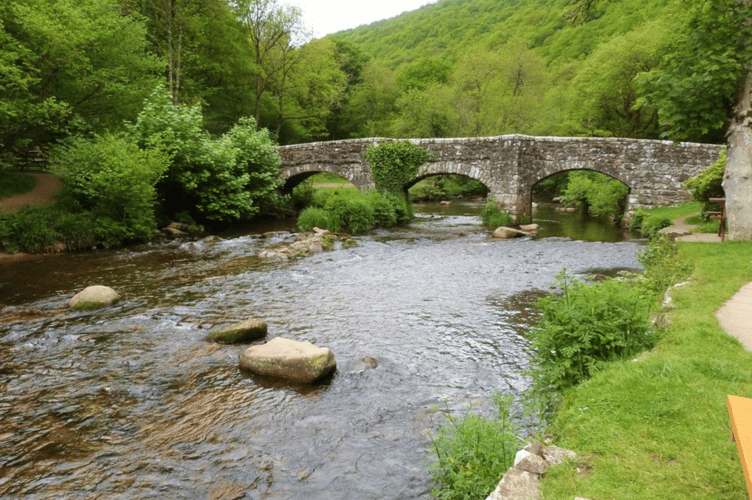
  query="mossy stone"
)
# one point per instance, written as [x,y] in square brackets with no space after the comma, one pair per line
[252,329]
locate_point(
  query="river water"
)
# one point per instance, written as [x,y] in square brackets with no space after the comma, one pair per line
[131,402]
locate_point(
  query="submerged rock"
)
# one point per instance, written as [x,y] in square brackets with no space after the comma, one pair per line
[246,331]
[290,359]
[93,297]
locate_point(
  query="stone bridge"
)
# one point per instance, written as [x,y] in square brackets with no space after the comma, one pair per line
[510,165]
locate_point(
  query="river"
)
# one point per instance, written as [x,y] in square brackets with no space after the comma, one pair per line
[131,402]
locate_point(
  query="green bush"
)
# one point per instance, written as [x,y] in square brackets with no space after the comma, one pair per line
[708,184]
[493,216]
[395,164]
[599,194]
[353,215]
[648,225]
[384,211]
[313,217]
[663,265]
[110,177]
[473,452]
[587,325]
[216,180]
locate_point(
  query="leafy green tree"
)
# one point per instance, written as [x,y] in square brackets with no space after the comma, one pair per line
[69,65]
[607,100]
[374,102]
[310,89]
[273,29]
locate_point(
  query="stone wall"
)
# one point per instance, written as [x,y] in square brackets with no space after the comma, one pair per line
[510,165]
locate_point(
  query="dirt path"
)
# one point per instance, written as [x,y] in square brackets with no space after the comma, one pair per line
[47,185]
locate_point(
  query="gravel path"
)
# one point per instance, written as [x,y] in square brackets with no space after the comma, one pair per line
[47,185]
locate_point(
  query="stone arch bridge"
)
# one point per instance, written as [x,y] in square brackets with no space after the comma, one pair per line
[510,165]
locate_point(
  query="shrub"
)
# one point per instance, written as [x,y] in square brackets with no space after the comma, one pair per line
[218,180]
[648,225]
[395,164]
[599,194]
[493,216]
[663,265]
[110,177]
[587,325]
[473,452]
[384,211]
[403,210]
[313,217]
[708,184]
[353,215]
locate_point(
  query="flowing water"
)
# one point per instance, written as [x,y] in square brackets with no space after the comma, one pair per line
[131,402]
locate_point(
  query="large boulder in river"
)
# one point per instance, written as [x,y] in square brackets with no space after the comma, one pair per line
[290,359]
[246,331]
[93,297]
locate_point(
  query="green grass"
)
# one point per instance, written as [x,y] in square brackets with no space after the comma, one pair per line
[657,427]
[674,212]
[14,183]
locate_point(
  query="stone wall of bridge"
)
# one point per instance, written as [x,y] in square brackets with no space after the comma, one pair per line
[655,171]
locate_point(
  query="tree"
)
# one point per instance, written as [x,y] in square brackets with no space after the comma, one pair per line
[213,180]
[607,100]
[273,30]
[81,64]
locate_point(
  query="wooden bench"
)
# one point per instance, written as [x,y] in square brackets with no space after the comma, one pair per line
[740,412]
[719,216]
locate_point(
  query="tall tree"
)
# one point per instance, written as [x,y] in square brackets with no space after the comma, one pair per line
[273,29]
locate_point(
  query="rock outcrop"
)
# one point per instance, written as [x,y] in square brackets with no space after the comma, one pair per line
[252,329]
[93,297]
[305,244]
[521,482]
[290,359]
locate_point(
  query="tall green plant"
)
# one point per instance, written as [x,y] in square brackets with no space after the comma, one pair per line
[708,183]
[395,164]
[473,452]
[585,326]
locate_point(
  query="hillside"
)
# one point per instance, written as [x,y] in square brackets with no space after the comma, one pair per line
[486,67]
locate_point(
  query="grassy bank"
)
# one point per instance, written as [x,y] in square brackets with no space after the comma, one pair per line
[657,427]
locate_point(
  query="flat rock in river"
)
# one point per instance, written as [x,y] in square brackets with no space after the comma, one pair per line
[280,357]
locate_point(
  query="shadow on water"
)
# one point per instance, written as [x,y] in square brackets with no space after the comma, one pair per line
[131,402]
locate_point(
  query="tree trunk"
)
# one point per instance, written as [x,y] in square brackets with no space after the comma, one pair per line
[737,180]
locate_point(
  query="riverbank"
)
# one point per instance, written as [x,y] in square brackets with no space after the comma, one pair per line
[657,427]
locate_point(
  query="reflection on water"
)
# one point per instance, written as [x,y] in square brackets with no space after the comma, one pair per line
[131,402]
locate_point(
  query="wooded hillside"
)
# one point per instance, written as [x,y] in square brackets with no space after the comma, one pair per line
[487,67]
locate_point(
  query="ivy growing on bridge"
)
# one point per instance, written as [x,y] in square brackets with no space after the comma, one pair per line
[395,164]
